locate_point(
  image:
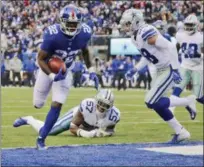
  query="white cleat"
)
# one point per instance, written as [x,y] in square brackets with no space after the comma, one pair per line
[182,136]
[191,108]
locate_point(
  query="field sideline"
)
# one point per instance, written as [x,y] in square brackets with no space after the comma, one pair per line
[138,124]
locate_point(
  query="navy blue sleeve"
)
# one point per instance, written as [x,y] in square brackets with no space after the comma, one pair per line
[47,44]
[148,34]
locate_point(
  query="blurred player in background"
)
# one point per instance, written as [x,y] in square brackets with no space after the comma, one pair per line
[65,40]
[190,43]
[163,54]
[94,117]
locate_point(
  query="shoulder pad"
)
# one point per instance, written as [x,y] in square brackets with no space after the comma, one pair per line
[87,105]
[148,32]
[114,115]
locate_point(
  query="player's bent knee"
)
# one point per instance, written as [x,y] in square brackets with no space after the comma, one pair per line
[56,104]
[200,100]
[163,102]
[151,106]
[38,104]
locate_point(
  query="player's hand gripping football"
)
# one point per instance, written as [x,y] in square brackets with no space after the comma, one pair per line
[176,76]
[59,76]
[94,77]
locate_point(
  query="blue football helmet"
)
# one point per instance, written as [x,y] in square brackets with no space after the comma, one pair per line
[70,20]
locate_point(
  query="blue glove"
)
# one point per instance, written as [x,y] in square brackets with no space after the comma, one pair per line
[60,76]
[94,77]
[176,76]
[129,75]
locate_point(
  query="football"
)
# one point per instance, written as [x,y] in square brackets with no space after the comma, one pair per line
[55,63]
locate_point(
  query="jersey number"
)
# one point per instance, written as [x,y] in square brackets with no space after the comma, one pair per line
[190,51]
[149,56]
[86,28]
[89,106]
[113,115]
[53,29]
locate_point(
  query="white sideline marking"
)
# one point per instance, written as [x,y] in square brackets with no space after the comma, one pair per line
[30,106]
[144,122]
[182,150]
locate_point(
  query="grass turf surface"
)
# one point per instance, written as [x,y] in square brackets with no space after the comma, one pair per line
[138,124]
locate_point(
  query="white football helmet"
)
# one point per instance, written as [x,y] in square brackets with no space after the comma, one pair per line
[131,20]
[191,24]
[105,100]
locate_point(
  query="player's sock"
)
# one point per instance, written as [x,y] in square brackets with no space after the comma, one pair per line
[51,118]
[201,100]
[177,91]
[164,113]
[36,124]
[178,101]
[175,125]
[167,116]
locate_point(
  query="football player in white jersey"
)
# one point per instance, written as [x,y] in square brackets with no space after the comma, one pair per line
[190,42]
[94,117]
[162,53]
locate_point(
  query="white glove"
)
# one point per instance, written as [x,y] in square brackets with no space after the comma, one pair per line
[86,134]
[102,133]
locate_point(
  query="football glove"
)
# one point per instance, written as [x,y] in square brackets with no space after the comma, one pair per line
[59,76]
[94,77]
[129,75]
[176,76]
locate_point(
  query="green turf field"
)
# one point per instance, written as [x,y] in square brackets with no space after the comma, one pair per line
[138,124]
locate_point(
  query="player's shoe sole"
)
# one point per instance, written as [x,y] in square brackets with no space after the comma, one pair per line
[19,122]
[182,136]
[191,108]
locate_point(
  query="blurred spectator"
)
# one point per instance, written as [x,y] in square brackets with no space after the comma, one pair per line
[29,67]
[7,65]
[16,66]
[142,78]
[2,74]
[120,73]
[98,68]
[77,72]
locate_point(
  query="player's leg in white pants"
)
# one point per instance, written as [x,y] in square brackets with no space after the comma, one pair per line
[178,88]
[155,99]
[60,90]
[41,89]
[197,77]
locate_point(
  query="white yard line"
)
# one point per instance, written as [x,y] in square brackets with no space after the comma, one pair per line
[132,123]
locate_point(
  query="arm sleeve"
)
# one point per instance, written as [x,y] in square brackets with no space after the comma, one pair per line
[47,43]
[174,57]
[141,64]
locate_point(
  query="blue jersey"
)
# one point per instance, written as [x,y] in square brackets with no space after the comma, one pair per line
[55,42]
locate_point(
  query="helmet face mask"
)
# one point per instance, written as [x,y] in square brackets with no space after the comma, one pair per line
[190,28]
[105,100]
[191,24]
[102,107]
[70,20]
[131,20]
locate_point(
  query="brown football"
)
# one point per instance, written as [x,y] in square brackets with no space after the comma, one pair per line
[55,63]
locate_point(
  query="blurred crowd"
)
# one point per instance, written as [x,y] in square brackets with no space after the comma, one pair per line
[22,24]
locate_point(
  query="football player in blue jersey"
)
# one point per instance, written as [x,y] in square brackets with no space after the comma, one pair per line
[64,40]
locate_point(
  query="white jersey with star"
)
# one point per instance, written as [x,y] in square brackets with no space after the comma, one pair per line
[158,56]
[189,44]
[88,110]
